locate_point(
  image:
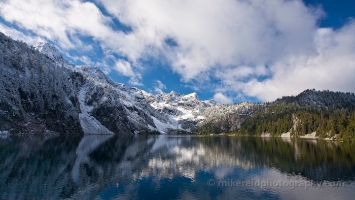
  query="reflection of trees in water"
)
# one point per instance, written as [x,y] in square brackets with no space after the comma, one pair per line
[61,167]
[313,159]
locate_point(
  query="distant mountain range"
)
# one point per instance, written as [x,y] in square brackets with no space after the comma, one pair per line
[41,92]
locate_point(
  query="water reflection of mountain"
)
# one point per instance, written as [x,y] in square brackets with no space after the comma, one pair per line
[61,167]
[36,168]
[312,159]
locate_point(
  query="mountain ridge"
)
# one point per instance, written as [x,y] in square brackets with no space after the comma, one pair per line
[41,92]
[321,99]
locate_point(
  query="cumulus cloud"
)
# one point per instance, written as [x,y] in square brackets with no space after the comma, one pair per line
[331,67]
[221,98]
[123,67]
[159,87]
[59,21]
[264,49]
[231,33]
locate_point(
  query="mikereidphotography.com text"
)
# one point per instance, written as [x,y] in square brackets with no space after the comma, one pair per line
[266,183]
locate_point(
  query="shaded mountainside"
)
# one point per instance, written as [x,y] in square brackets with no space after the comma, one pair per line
[37,95]
[42,92]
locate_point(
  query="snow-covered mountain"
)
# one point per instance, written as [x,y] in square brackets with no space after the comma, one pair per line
[116,106]
[43,92]
[183,111]
[40,92]
[188,113]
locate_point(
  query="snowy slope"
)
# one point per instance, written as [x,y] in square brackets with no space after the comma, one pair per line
[116,105]
[183,111]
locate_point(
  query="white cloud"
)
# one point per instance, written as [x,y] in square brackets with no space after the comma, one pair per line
[17,35]
[63,22]
[221,98]
[265,49]
[58,20]
[123,67]
[231,33]
[332,67]
[159,87]
[259,48]
[135,81]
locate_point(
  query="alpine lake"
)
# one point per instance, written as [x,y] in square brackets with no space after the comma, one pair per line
[174,167]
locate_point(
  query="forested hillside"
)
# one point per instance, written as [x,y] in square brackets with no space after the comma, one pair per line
[329,114]
[300,120]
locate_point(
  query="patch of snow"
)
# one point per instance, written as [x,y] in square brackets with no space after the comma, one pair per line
[91,126]
[88,123]
[265,135]
[310,136]
[286,135]
[161,127]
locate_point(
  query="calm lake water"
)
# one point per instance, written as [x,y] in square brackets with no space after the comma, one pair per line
[175,167]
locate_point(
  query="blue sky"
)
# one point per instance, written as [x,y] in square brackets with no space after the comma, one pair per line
[226,50]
